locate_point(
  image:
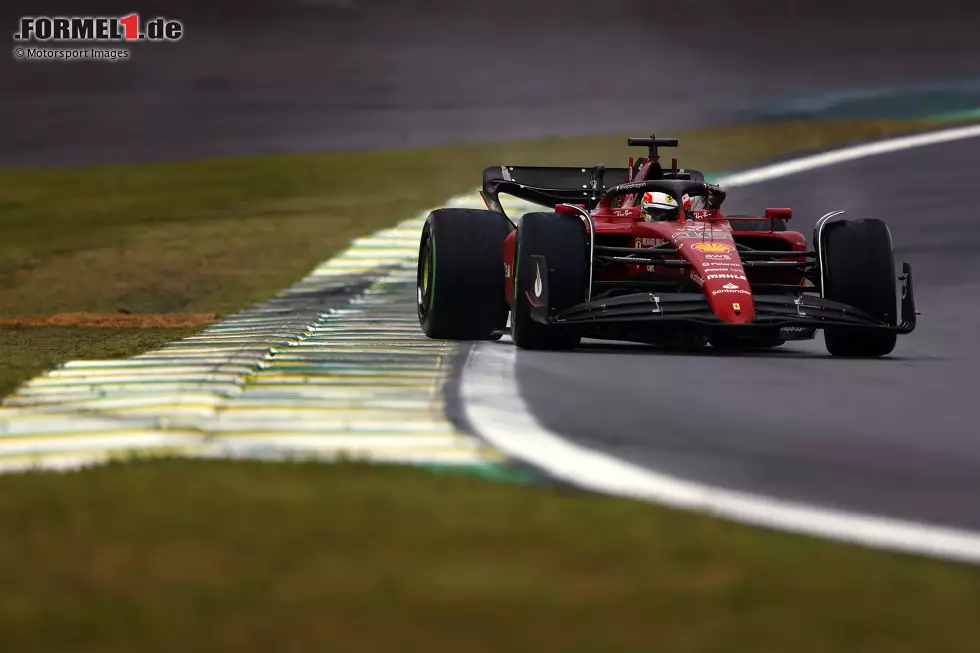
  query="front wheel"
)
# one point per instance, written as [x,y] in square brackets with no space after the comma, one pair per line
[859,270]
[561,241]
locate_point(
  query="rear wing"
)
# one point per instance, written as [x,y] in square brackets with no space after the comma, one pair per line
[550,186]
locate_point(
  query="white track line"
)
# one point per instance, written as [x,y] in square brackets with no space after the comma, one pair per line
[833,157]
[494,407]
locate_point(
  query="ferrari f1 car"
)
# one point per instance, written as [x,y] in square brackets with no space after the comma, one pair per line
[598,264]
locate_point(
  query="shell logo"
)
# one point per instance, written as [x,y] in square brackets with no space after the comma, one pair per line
[714,248]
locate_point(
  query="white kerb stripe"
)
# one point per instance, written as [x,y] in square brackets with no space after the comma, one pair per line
[497,412]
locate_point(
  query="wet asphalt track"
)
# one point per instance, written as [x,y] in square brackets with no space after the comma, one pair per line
[898,436]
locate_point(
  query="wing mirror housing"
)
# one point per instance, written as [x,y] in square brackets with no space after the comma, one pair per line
[785,214]
[773,214]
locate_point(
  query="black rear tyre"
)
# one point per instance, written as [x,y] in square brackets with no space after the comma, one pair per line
[460,280]
[562,240]
[859,270]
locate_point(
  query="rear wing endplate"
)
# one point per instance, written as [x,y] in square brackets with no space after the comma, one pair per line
[550,186]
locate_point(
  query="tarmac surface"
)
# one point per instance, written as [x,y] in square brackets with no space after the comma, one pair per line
[896,436]
[299,75]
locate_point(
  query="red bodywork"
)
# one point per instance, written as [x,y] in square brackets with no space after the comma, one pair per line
[705,238]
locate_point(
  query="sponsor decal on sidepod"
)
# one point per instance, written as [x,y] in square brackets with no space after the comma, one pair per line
[722,235]
[647,242]
[714,248]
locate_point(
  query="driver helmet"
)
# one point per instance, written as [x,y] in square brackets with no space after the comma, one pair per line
[658,206]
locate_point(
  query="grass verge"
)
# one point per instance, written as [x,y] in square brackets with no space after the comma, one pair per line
[232,556]
[235,556]
[27,351]
[213,236]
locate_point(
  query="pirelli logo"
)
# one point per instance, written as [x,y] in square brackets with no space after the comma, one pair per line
[80,29]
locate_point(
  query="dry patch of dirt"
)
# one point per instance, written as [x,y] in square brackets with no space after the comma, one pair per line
[121,319]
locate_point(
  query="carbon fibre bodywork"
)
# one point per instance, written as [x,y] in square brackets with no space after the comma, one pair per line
[698,277]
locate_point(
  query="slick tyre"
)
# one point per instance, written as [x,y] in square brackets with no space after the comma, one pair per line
[859,270]
[460,282]
[561,240]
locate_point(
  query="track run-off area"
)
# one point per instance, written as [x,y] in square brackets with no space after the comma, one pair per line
[336,366]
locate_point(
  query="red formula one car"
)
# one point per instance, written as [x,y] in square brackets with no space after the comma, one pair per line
[645,254]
